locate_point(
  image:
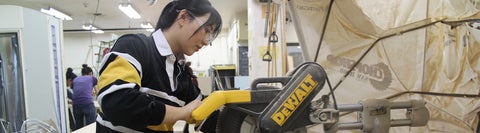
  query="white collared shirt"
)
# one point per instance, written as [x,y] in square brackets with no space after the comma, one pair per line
[165,50]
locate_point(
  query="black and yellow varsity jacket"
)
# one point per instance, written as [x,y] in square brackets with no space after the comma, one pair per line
[134,87]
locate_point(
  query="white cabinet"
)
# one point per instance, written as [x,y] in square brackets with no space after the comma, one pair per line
[241,28]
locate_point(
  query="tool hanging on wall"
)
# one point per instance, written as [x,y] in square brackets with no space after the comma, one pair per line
[283,45]
[272,38]
[273,26]
[267,13]
[267,56]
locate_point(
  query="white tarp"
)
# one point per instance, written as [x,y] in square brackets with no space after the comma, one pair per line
[413,49]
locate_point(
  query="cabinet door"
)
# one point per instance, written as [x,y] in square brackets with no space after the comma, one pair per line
[12,111]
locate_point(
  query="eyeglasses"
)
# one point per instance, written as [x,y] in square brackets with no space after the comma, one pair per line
[209,36]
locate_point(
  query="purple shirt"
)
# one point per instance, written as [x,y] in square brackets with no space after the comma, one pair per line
[82,89]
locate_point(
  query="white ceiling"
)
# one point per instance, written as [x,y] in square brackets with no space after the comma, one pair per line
[82,11]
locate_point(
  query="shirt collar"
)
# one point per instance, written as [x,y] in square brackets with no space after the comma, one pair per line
[161,43]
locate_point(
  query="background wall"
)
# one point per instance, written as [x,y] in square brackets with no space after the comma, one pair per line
[258,43]
[217,53]
[82,47]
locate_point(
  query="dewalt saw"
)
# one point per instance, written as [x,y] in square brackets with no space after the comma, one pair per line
[266,109]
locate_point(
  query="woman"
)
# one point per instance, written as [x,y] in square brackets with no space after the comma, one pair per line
[83,90]
[144,86]
[70,76]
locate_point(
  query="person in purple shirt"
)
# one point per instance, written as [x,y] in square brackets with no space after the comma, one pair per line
[83,91]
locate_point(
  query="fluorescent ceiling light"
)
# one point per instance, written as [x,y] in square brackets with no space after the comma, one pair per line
[146,25]
[56,13]
[129,11]
[89,27]
[98,31]
[92,28]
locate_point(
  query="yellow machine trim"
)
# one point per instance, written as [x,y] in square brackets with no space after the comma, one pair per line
[121,69]
[217,99]
[224,67]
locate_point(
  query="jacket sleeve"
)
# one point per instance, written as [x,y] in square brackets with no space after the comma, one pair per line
[119,82]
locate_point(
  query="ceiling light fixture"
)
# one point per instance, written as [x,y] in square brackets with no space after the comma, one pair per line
[56,13]
[150,29]
[129,11]
[89,27]
[151,2]
[92,28]
[98,31]
[146,25]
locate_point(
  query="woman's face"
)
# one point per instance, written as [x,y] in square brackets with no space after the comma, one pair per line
[195,41]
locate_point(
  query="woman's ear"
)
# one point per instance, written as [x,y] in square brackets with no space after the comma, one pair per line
[182,17]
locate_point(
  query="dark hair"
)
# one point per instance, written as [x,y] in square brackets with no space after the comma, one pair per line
[194,8]
[85,69]
[70,74]
[189,69]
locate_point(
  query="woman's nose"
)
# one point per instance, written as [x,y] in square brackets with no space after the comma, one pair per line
[204,43]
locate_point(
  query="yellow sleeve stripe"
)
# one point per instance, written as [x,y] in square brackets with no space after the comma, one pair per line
[121,69]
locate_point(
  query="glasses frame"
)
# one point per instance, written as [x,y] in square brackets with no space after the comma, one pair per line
[209,36]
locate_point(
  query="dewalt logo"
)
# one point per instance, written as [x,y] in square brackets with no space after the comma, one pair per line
[294,100]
